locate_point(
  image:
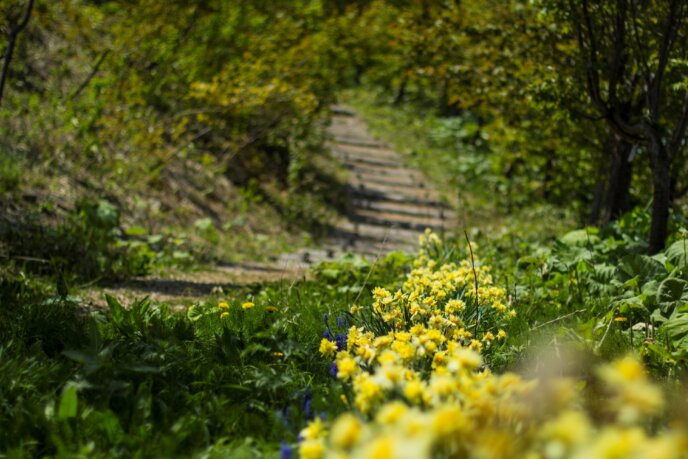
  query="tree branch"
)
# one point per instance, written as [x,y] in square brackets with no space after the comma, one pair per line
[655,90]
[90,76]
[680,131]
[618,60]
[11,42]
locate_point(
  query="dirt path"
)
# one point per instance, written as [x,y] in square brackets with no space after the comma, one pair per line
[390,205]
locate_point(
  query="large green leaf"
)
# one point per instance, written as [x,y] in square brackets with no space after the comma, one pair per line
[581,237]
[672,291]
[677,253]
[69,403]
[640,266]
[676,329]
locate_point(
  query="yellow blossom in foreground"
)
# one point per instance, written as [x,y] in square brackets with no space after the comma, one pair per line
[346,367]
[271,309]
[224,315]
[247,305]
[346,431]
[420,380]
[311,449]
[223,305]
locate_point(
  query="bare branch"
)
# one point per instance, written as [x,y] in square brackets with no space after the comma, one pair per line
[90,76]
[11,42]
[680,131]
[654,92]
[619,59]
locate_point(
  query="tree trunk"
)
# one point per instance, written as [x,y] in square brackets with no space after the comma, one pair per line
[598,197]
[401,93]
[661,197]
[619,184]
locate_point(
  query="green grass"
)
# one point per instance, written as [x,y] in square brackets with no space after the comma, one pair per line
[143,380]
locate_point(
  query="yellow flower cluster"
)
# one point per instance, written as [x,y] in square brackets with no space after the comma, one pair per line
[421,390]
[417,339]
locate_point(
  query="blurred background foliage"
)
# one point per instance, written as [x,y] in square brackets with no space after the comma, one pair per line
[188,110]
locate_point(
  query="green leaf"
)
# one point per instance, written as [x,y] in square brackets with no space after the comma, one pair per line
[135,231]
[203,224]
[676,253]
[641,266]
[106,215]
[155,238]
[581,237]
[180,255]
[69,403]
[116,309]
[672,290]
[196,311]
[677,327]
[330,273]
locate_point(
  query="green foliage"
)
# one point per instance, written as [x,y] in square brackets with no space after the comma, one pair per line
[10,173]
[597,289]
[87,245]
[351,275]
[143,379]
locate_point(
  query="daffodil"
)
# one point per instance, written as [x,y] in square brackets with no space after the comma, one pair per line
[328,348]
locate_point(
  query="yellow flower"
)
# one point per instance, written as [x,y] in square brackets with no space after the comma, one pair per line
[223,305]
[247,305]
[311,449]
[314,430]
[224,315]
[391,413]
[621,371]
[569,429]
[475,345]
[271,309]
[448,421]
[413,392]
[278,354]
[381,448]
[328,348]
[346,431]
[346,367]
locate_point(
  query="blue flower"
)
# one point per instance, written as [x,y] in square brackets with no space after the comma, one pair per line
[341,339]
[334,370]
[328,335]
[285,450]
[308,405]
[341,322]
[326,318]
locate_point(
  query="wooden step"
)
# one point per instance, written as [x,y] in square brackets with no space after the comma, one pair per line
[402,208]
[392,196]
[392,218]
